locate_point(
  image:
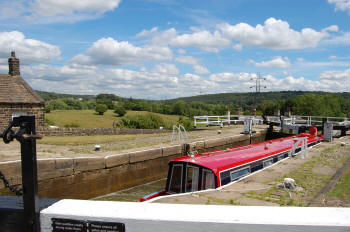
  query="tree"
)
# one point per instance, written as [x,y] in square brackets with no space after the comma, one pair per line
[120,110]
[101,109]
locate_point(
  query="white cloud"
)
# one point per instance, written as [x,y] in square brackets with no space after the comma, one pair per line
[200,69]
[343,75]
[67,7]
[46,11]
[204,40]
[274,34]
[145,32]
[27,50]
[164,81]
[343,39]
[238,47]
[166,69]
[342,5]
[335,62]
[276,62]
[197,67]
[181,51]
[107,51]
[163,38]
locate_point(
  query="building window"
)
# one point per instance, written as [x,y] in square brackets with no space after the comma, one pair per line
[239,173]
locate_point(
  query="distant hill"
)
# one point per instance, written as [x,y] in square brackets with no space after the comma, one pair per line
[49,95]
[248,98]
[219,98]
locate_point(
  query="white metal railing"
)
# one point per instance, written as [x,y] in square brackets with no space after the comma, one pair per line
[299,143]
[309,120]
[182,137]
[225,119]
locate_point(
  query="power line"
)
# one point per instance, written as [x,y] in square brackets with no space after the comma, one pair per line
[257,85]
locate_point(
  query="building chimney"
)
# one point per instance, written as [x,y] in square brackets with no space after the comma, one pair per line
[13,65]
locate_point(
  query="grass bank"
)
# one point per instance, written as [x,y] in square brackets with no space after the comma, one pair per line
[90,119]
[342,189]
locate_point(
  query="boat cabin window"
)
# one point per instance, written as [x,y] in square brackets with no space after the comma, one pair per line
[280,157]
[267,163]
[176,179]
[239,173]
[192,178]
[208,181]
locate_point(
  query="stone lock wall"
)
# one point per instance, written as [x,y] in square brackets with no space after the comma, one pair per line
[7,110]
[88,177]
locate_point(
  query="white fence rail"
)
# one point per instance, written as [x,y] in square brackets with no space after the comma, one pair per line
[309,120]
[221,120]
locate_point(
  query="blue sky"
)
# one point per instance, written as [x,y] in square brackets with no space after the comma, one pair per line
[161,49]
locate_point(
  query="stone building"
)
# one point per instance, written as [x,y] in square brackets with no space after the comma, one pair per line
[17,97]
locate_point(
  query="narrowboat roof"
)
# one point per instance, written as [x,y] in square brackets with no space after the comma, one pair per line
[227,158]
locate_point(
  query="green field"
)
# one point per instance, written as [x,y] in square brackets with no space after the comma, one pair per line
[90,119]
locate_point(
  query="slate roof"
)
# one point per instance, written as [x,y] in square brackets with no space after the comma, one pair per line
[13,89]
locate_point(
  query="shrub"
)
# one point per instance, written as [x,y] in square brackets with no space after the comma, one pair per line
[72,124]
[187,123]
[48,109]
[120,111]
[57,104]
[148,121]
[48,122]
[101,109]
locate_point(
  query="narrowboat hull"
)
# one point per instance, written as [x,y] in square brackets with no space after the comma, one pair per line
[215,169]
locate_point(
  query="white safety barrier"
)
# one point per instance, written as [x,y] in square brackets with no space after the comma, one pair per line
[149,217]
[299,143]
[225,119]
[183,137]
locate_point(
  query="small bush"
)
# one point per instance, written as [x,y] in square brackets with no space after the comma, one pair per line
[71,125]
[101,109]
[48,109]
[187,123]
[148,121]
[48,122]
[120,111]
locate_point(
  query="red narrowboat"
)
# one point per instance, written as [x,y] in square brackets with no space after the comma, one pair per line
[214,169]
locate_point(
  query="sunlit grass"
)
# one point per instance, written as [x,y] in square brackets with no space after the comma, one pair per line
[342,189]
[90,119]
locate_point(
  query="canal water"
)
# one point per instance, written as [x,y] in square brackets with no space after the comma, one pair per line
[135,193]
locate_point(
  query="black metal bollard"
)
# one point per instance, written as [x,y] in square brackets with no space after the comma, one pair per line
[26,136]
